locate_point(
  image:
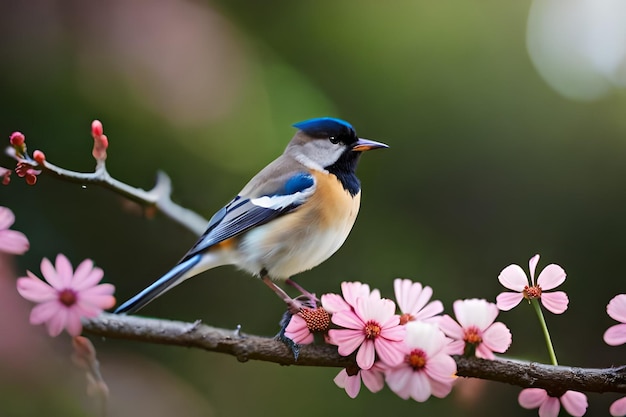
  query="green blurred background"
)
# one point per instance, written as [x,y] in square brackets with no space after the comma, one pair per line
[488,165]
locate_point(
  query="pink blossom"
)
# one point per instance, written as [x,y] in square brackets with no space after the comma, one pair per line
[514,278]
[616,309]
[373,328]
[303,325]
[68,296]
[372,378]
[476,328]
[413,299]
[618,408]
[574,402]
[427,369]
[11,241]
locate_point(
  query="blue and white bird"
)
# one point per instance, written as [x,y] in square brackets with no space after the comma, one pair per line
[291,216]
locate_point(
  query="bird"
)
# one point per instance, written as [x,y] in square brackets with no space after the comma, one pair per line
[290,217]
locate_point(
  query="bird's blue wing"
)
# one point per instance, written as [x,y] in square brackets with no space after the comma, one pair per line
[242,213]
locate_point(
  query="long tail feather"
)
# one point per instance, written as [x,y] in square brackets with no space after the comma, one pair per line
[174,277]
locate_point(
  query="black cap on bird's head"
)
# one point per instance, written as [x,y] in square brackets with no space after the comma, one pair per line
[332,145]
[337,130]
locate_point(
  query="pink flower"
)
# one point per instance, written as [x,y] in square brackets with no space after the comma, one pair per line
[476,328]
[514,278]
[373,379]
[412,300]
[427,369]
[618,408]
[616,309]
[11,241]
[303,325]
[574,402]
[372,328]
[68,297]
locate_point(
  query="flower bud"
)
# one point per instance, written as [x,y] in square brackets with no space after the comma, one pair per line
[96,128]
[17,139]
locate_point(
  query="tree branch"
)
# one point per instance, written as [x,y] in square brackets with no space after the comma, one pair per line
[245,347]
[158,196]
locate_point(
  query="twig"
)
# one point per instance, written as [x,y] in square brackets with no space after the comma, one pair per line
[158,197]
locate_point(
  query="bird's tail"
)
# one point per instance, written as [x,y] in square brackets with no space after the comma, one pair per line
[174,277]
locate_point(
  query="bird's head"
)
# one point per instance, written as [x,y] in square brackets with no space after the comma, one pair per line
[326,141]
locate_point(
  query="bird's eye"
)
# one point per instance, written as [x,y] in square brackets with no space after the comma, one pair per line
[334,139]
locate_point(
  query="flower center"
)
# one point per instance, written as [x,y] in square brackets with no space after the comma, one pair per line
[532,292]
[67,297]
[472,336]
[317,319]
[372,330]
[416,359]
[405,318]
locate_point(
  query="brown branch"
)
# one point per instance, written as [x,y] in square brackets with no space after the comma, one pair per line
[245,347]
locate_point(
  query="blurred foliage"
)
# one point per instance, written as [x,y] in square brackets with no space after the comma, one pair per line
[487,167]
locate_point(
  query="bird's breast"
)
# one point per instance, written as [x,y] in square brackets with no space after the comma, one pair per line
[305,237]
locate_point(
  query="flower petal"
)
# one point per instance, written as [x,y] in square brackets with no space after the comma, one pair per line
[530,398]
[412,297]
[431,310]
[483,352]
[366,355]
[391,353]
[72,323]
[556,302]
[426,336]
[550,408]
[451,328]
[57,322]
[50,274]
[13,242]
[43,312]
[532,266]
[497,337]
[505,301]
[380,310]
[298,331]
[615,335]
[616,309]
[64,270]
[348,319]
[441,389]
[551,277]
[475,312]
[513,277]
[420,387]
[352,384]
[334,303]
[373,378]
[34,289]
[618,408]
[441,367]
[347,341]
[575,403]
[353,290]
[7,218]
[398,379]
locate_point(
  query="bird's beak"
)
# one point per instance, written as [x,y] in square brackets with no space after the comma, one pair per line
[366,145]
